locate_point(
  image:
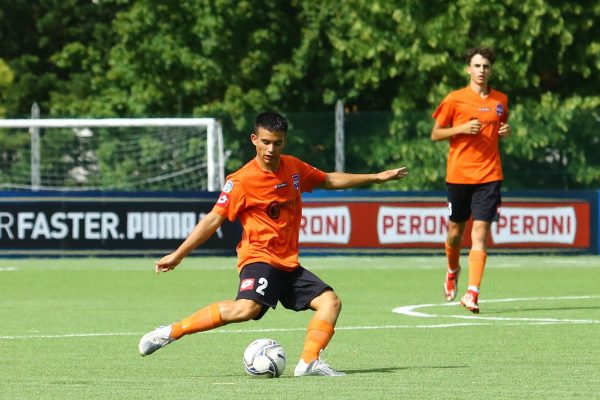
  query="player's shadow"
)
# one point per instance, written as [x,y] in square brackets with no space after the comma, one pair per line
[533,309]
[394,369]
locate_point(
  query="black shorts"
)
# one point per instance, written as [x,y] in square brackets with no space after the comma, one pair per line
[482,200]
[267,285]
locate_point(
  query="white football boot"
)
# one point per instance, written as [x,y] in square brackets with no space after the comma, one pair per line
[157,339]
[317,367]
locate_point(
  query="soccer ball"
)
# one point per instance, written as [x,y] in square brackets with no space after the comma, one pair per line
[264,358]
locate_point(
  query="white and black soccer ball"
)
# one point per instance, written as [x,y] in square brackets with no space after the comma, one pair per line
[264,358]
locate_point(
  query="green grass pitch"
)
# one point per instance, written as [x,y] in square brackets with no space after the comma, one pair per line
[69,329]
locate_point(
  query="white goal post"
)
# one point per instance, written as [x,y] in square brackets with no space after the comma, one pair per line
[214,152]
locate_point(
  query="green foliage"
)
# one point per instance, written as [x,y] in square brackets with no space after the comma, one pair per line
[8,141]
[391,62]
[558,138]
[6,79]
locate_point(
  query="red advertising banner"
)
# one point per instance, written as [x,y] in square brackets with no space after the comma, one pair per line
[424,224]
[90,223]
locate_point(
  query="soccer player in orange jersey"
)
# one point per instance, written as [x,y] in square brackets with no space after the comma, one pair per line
[472,119]
[265,195]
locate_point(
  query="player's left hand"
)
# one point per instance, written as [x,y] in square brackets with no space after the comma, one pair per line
[392,174]
[505,130]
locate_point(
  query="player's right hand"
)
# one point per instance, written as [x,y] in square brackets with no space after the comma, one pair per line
[167,263]
[472,127]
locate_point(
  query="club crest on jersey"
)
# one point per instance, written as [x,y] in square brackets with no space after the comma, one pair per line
[228,187]
[499,110]
[296,181]
[247,284]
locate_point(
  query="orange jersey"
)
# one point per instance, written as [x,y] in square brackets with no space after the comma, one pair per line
[269,206]
[473,158]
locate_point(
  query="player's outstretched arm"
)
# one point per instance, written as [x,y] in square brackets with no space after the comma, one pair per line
[203,230]
[342,180]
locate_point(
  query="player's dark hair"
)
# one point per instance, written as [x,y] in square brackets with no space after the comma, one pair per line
[271,121]
[485,52]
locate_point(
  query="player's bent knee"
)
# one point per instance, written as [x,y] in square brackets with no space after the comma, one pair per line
[337,303]
[330,300]
[245,310]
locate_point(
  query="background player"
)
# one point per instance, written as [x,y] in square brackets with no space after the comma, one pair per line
[472,118]
[265,195]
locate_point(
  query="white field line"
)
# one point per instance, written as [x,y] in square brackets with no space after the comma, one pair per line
[279,330]
[410,311]
[68,335]
[383,263]
[243,331]
[405,310]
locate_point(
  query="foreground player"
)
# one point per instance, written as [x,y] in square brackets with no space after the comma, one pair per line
[472,118]
[265,195]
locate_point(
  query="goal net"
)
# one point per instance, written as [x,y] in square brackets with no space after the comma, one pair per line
[155,154]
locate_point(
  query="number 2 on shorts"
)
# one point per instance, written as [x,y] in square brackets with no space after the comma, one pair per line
[262,285]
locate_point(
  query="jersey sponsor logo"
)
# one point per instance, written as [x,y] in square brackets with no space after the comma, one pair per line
[223,200]
[247,284]
[281,185]
[274,209]
[499,110]
[228,187]
[296,181]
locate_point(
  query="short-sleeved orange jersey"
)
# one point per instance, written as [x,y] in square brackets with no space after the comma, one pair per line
[269,207]
[473,159]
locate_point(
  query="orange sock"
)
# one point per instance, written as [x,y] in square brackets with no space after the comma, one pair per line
[318,335]
[204,319]
[453,254]
[476,266]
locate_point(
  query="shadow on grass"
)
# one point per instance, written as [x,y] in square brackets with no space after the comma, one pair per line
[394,369]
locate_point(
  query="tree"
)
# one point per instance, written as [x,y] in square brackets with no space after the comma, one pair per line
[390,61]
[57,50]
[10,142]
[6,79]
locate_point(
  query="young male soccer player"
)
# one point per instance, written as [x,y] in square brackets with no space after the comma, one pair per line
[472,119]
[265,195]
